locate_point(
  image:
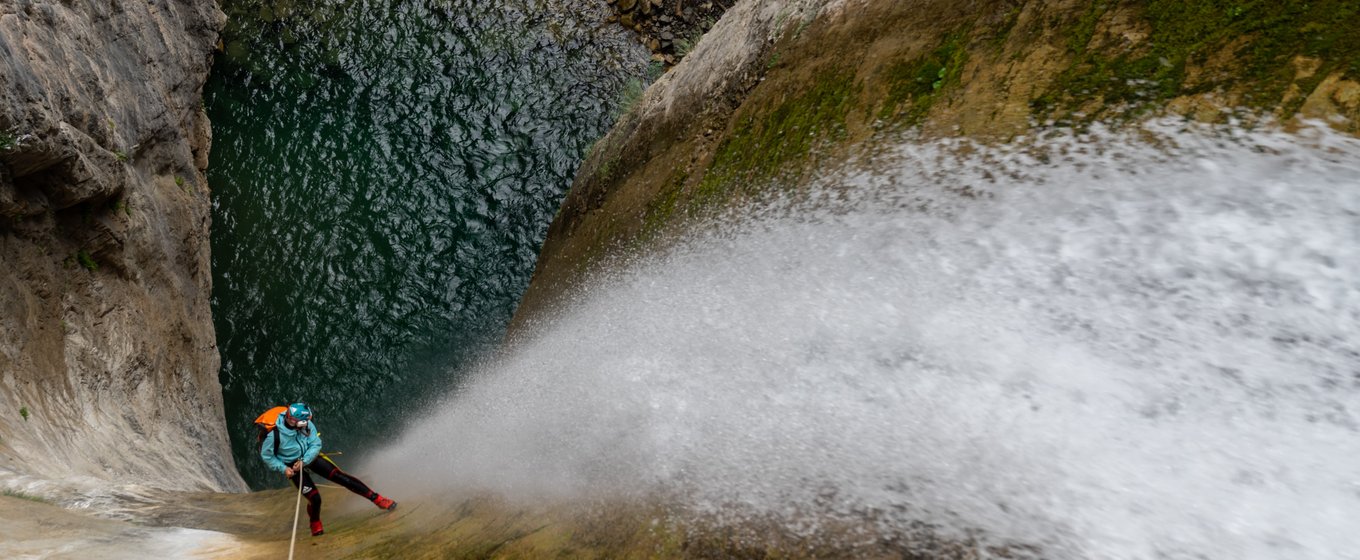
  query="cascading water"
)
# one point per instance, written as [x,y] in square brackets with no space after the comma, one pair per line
[1135,344]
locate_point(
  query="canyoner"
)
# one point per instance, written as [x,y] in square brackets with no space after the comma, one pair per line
[290,443]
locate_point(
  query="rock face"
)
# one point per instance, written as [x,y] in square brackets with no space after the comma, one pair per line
[108,359]
[780,88]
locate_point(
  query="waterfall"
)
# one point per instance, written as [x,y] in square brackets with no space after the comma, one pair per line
[1136,343]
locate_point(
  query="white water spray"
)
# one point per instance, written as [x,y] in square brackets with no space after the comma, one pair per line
[1116,345]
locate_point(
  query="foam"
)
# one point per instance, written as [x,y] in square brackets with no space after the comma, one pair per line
[1133,344]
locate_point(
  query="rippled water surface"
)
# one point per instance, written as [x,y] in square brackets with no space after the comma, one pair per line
[383,173]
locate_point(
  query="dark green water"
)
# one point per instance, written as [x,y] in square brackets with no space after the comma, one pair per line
[383,173]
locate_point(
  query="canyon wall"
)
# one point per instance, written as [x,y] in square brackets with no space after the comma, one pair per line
[780,89]
[108,359]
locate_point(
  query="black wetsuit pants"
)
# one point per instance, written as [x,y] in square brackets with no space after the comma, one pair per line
[326,469]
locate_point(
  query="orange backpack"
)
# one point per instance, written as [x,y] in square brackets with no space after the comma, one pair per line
[265,423]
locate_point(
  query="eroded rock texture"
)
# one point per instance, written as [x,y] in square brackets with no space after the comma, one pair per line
[108,361]
[779,89]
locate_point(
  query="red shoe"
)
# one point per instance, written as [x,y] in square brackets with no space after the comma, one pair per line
[316,529]
[384,503]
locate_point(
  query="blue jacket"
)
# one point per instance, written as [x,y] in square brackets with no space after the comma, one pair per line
[293,444]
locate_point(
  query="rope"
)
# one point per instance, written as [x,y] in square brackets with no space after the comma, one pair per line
[297,510]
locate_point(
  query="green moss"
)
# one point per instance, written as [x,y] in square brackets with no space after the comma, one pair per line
[773,61]
[1003,31]
[1080,35]
[183,185]
[780,141]
[23,411]
[120,155]
[802,26]
[7,142]
[1263,37]
[914,85]
[608,169]
[629,97]
[23,496]
[662,207]
[87,261]
[683,46]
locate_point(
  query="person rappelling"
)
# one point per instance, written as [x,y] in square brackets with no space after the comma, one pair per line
[290,443]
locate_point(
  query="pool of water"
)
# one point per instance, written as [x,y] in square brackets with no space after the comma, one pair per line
[383,173]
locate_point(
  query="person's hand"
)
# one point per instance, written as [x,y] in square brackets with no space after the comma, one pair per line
[288,472]
[298,465]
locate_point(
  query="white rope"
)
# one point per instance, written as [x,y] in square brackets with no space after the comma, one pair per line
[296,511]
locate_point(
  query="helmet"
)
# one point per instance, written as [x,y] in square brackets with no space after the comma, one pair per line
[300,412]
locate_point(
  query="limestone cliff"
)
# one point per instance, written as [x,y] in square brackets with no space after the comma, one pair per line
[108,360]
[780,88]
